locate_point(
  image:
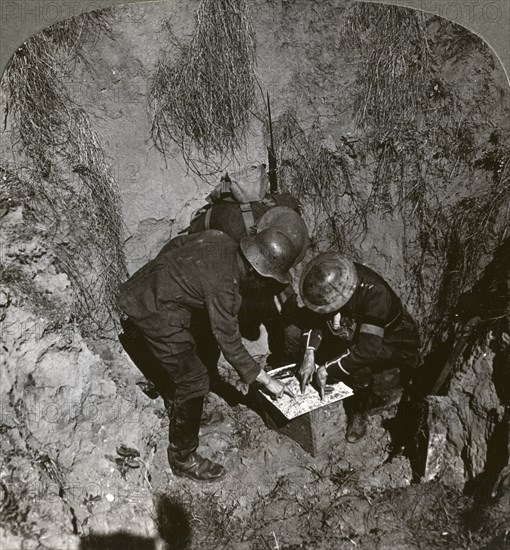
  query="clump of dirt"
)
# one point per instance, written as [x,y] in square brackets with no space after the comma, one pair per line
[64,415]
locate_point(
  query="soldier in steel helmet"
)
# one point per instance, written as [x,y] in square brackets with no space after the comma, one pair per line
[260,304]
[258,308]
[206,271]
[353,325]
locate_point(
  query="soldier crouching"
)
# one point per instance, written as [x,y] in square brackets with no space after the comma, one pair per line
[383,335]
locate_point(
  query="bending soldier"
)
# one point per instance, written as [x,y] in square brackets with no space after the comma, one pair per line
[206,271]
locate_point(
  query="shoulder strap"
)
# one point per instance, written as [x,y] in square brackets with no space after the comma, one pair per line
[207,221]
[248,219]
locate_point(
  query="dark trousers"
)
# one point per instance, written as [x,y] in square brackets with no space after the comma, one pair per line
[174,366]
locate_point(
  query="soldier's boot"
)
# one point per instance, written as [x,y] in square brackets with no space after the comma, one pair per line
[357,415]
[182,449]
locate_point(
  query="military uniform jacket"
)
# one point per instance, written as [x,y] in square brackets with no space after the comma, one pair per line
[379,322]
[198,271]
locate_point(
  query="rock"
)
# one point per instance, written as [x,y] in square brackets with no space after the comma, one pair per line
[4,297]
[461,423]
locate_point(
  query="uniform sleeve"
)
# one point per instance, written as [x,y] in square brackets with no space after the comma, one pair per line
[223,306]
[367,345]
[304,320]
[312,338]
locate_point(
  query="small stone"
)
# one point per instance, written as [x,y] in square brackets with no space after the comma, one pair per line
[109,497]
[4,298]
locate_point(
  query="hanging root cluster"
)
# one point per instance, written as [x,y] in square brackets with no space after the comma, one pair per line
[477,226]
[65,176]
[396,57]
[320,179]
[203,100]
[454,241]
[391,86]
[405,99]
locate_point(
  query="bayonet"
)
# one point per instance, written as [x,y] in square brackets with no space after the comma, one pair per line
[271,155]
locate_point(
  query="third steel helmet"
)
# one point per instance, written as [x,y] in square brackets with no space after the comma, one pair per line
[271,253]
[328,282]
[289,222]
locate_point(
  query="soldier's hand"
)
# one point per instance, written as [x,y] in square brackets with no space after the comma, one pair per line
[273,386]
[307,369]
[277,388]
[321,377]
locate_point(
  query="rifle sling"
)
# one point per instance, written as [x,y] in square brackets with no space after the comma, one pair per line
[248,219]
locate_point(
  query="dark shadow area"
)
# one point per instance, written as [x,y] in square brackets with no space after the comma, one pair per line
[117,541]
[409,433]
[490,298]
[498,457]
[501,371]
[490,295]
[433,363]
[485,307]
[173,522]
[408,429]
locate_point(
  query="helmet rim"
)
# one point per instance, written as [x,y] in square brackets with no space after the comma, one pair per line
[260,263]
[279,218]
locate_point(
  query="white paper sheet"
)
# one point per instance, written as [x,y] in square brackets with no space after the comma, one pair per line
[303,402]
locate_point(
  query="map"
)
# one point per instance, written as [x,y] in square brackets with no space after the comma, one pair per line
[303,402]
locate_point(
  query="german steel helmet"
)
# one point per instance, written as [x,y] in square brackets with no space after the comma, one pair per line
[270,252]
[328,282]
[289,222]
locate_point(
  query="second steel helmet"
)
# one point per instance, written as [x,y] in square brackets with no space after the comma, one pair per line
[289,222]
[328,282]
[271,253]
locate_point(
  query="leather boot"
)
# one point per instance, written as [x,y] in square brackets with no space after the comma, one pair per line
[357,415]
[206,419]
[182,449]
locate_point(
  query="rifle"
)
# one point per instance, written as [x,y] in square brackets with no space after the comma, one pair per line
[271,156]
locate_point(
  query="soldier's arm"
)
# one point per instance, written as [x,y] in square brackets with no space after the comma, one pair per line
[223,306]
[367,345]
